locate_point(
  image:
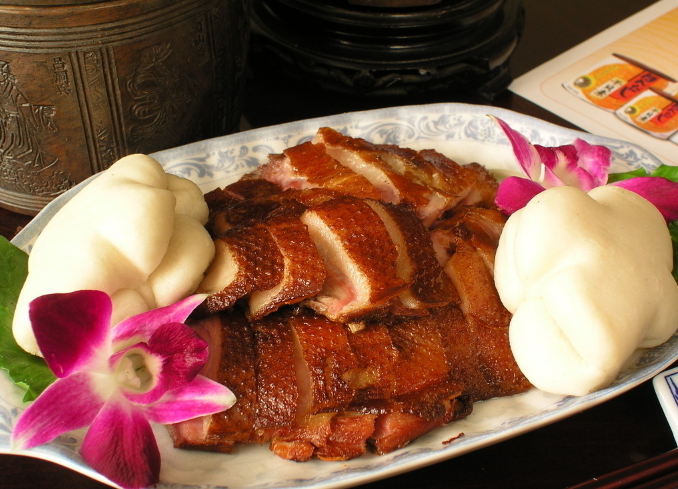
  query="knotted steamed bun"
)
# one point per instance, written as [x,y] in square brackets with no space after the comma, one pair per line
[135,232]
[588,280]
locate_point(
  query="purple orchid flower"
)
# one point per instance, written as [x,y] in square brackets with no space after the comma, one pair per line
[581,165]
[116,380]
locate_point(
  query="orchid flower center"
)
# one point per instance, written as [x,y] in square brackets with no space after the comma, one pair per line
[136,371]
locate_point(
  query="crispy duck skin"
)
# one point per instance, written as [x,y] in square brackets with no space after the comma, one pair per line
[417,265]
[239,202]
[316,397]
[303,273]
[359,257]
[354,154]
[352,304]
[232,361]
[246,260]
[323,359]
[466,243]
[309,166]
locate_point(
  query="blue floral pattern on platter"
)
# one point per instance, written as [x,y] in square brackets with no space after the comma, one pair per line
[465,133]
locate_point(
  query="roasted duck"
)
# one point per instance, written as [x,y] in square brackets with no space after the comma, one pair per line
[351,301]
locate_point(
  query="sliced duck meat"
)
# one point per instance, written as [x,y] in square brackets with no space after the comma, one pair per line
[348,438]
[359,256]
[326,436]
[323,360]
[299,442]
[376,355]
[303,273]
[421,361]
[307,165]
[473,184]
[358,308]
[417,265]
[244,189]
[466,243]
[480,226]
[245,259]
[405,419]
[248,199]
[232,362]
[278,393]
[474,281]
[359,156]
[479,355]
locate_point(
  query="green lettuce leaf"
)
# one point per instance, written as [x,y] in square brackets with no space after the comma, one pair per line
[618,177]
[26,370]
[673,230]
[666,171]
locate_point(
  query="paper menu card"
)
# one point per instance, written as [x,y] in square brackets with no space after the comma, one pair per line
[621,83]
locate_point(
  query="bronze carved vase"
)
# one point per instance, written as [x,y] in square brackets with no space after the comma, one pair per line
[84,83]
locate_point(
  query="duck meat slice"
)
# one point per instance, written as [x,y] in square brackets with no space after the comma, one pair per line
[299,442]
[232,363]
[417,264]
[376,355]
[230,212]
[246,259]
[442,190]
[479,355]
[242,201]
[410,163]
[359,156]
[421,361]
[324,359]
[472,183]
[475,283]
[359,256]
[348,438]
[467,242]
[276,371]
[308,166]
[480,226]
[326,436]
[402,420]
[243,189]
[303,272]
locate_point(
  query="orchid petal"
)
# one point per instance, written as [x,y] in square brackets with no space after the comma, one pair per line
[180,352]
[526,154]
[551,179]
[562,167]
[120,445]
[584,180]
[199,398]
[595,160]
[514,193]
[560,161]
[68,404]
[71,329]
[142,326]
[562,158]
[661,192]
[184,350]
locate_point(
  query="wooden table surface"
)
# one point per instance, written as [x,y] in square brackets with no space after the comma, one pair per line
[615,434]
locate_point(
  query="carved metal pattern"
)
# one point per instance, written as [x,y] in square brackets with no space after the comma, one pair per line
[117,81]
[105,150]
[160,92]
[24,165]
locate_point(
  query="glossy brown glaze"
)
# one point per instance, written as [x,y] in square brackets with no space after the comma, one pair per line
[359,257]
